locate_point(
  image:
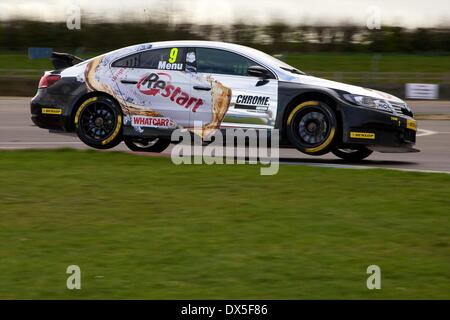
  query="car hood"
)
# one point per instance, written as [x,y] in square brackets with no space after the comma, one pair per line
[310,80]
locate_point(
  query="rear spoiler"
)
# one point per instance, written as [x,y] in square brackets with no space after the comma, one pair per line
[64,60]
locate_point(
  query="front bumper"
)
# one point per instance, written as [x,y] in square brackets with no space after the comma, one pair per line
[378,130]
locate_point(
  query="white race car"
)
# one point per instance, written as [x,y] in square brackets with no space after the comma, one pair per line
[141,93]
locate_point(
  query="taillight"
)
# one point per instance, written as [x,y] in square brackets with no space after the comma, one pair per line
[47,80]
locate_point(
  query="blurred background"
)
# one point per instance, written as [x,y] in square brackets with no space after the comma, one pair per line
[381,44]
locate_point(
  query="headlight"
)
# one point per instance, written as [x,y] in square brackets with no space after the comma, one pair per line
[369,102]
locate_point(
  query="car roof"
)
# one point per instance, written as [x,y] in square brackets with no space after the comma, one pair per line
[209,44]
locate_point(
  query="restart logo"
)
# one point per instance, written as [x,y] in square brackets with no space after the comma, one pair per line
[160,84]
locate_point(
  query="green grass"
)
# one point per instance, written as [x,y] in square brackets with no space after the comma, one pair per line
[25,66]
[141,227]
[21,61]
[367,62]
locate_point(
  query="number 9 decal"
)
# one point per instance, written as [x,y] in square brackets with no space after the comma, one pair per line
[173,55]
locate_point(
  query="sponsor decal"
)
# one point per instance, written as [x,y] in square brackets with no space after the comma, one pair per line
[190,57]
[258,103]
[118,74]
[170,66]
[160,84]
[362,135]
[252,100]
[191,66]
[173,55]
[151,122]
[411,124]
[51,111]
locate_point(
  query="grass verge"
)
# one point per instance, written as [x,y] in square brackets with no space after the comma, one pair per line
[141,227]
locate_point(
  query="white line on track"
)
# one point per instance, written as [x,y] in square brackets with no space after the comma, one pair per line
[344,166]
[423,132]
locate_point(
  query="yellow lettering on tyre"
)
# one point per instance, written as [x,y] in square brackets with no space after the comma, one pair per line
[116,131]
[304,104]
[325,144]
[81,108]
[332,131]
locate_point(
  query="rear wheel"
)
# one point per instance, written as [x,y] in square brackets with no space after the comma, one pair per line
[147,145]
[353,154]
[312,127]
[98,123]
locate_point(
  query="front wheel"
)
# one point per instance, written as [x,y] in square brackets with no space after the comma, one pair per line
[312,127]
[147,145]
[354,154]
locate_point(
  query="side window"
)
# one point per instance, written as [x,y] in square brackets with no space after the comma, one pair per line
[128,62]
[222,62]
[163,59]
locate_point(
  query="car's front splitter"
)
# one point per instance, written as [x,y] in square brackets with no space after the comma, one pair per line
[380,131]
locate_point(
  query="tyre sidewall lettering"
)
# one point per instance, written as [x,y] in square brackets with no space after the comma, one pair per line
[293,120]
[115,132]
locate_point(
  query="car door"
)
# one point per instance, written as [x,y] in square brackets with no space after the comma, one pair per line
[253,102]
[155,83]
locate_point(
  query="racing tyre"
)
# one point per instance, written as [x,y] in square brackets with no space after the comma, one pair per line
[354,154]
[147,145]
[98,123]
[312,127]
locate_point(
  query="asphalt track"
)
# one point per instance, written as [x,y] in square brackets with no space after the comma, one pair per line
[18,132]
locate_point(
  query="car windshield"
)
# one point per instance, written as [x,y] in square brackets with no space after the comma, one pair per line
[279,63]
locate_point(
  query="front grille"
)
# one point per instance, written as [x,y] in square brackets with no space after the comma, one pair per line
[397,107]
[410,136]
[401,108]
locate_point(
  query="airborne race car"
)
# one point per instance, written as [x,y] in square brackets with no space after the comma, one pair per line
[141,93]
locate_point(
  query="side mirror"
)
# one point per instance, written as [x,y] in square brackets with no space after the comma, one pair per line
[258,71]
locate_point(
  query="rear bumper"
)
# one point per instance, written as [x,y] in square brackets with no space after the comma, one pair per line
[380,131]
[52,112]
[52,108]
